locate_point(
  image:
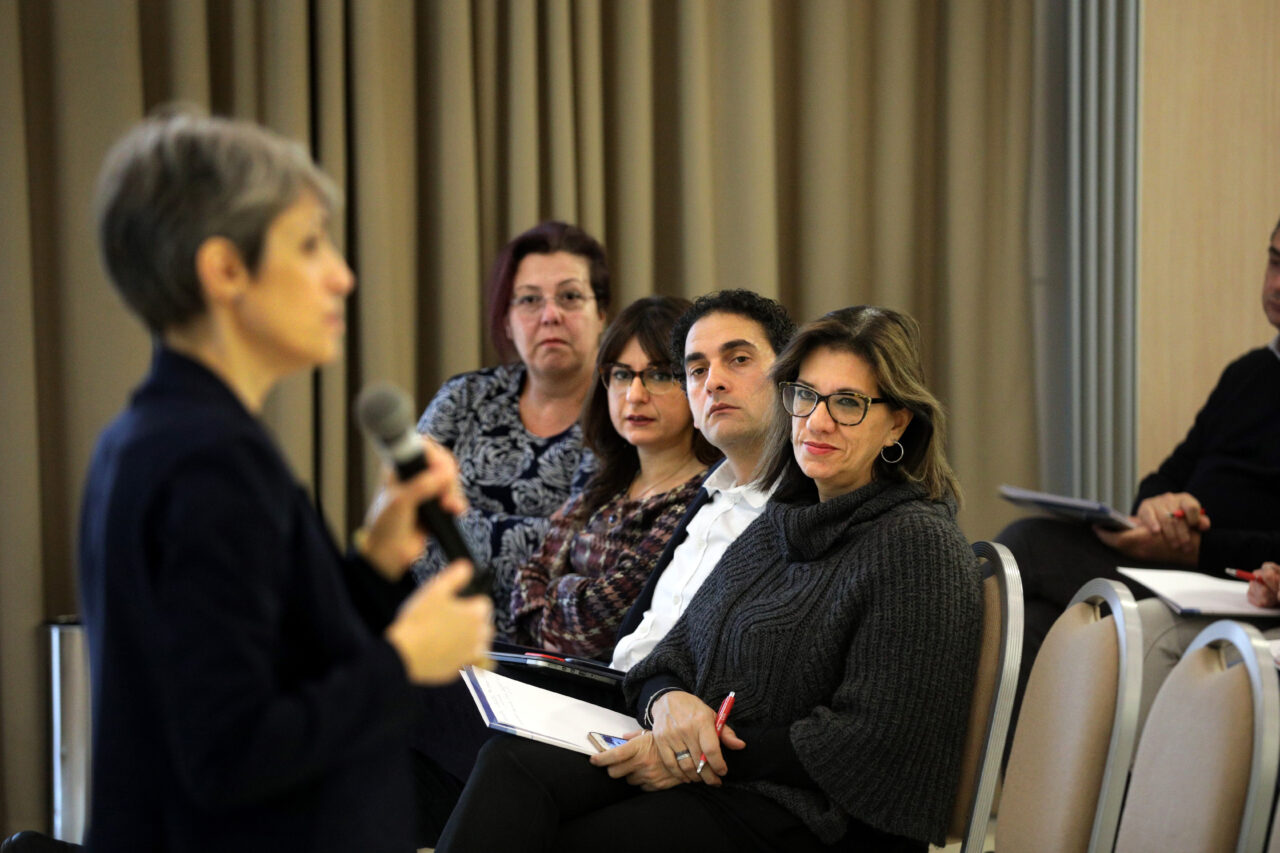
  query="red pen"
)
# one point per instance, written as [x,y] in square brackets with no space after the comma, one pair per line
[1241,574]
[1182,513]
[725,707]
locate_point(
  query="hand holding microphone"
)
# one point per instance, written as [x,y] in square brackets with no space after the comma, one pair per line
[386,415]
[391,537]
[445,624]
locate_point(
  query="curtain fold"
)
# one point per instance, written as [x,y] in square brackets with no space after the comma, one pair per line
[22,607]
[826,153]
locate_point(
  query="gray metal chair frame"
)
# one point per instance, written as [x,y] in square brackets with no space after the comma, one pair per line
[1255,655]
[1115,774]
[1004,568]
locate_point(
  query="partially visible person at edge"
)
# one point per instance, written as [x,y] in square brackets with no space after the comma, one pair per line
[1166,634]
[846,620]
[650,463]
[251,684]
[514,428]
[1226,470]
[728,340]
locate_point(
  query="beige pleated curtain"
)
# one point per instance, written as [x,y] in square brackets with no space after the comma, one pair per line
[824,152]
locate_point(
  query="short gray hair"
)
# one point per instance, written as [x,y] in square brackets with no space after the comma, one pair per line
[179,178]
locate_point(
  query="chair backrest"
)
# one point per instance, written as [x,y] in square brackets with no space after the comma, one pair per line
[993,689]
[1066,776]
[1216,716]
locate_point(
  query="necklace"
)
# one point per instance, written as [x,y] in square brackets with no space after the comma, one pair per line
[681,474]
[685,471]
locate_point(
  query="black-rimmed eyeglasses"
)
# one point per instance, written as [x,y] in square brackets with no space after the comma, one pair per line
[847,408]
[657,380]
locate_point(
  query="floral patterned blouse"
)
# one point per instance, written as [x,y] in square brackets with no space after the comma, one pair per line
[513,479]
[572,596]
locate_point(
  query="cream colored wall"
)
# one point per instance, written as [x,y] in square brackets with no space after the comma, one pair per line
[1209,195]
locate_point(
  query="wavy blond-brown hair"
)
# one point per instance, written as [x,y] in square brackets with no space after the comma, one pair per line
[889,342]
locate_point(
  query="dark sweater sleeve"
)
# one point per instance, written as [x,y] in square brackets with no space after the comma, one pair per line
[375,598]
[1175,472]
[1239,549]
[769,755]
[247,713]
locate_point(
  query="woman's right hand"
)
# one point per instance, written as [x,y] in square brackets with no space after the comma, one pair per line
[392,539]
[684,723]
[437,633]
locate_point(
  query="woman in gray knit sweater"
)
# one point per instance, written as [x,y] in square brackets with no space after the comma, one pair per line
[845,620]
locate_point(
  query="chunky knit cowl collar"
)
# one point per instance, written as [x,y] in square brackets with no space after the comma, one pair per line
[811,531]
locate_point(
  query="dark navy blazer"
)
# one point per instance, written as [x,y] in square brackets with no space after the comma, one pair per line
[243,698]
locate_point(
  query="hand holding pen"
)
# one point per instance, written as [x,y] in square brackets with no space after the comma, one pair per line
[684,726]
[1174,516]
[1264,584]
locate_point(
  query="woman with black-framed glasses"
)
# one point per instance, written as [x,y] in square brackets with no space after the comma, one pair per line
[650,460]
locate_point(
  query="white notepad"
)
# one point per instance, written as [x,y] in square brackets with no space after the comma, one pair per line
[539,714]
[1196,594]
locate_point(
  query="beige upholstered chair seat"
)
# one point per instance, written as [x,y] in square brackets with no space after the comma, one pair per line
[1071,749]
[1205,772]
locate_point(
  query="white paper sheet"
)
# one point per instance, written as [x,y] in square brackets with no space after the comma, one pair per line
[539,714]
[1196,594]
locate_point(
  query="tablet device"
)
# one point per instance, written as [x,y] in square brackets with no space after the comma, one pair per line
[561,665]
[1075,509]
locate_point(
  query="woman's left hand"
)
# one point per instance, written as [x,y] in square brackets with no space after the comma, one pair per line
[392,539]
[637,761]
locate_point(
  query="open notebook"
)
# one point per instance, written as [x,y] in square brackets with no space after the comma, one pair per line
[539,714]
[1197,594]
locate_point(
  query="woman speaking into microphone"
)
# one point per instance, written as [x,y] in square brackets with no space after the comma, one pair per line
[251,684]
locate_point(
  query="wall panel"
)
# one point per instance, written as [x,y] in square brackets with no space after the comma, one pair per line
[1209,193]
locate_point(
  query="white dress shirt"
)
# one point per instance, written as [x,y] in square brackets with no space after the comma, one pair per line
[720,520]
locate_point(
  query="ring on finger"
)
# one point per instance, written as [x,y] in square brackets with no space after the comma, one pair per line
[682,755]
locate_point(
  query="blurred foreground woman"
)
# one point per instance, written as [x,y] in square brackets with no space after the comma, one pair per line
[251,685]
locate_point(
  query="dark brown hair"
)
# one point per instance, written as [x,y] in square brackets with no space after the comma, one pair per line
[649,321]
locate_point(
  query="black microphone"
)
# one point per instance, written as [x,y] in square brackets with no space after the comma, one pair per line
[386,415]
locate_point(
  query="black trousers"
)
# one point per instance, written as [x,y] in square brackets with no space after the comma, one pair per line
[525,795]
[449,734]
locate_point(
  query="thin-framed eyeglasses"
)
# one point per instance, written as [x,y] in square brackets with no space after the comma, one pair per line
[569,301]
[847,408]
[617,378]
